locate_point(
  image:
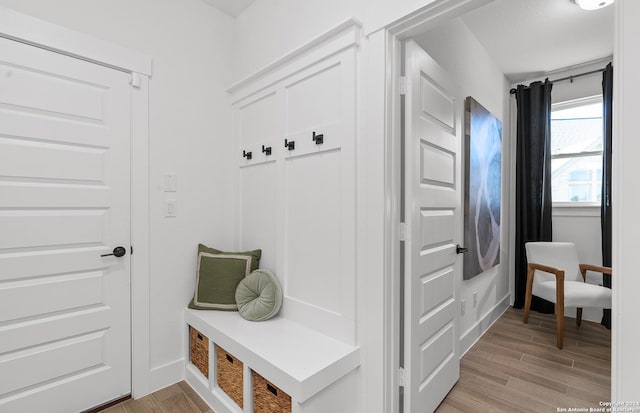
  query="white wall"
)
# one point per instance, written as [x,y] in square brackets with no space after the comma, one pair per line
[626,224]
[190,43]
[267,30]
[457,50]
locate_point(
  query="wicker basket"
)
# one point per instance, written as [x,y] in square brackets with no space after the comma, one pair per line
[199,350]
[230,375]
[267,398]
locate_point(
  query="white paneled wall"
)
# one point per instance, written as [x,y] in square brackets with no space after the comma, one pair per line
[298,203]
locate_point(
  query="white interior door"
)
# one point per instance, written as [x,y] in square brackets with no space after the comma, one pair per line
[64,202]
[433,115]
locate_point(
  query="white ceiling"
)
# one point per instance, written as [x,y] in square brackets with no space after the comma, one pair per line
[231,7]
[528,38]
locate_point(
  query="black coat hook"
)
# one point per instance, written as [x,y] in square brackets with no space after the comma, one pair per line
[266,150]
[246,155]
[318,139]
[291,145]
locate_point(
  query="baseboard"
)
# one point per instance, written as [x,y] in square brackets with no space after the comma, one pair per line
[469,338]
[166,375]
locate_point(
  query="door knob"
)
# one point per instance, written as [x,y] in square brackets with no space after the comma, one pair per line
[117,251]
[461,250]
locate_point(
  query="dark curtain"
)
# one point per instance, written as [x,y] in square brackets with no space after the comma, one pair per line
[533,180]
[605,209]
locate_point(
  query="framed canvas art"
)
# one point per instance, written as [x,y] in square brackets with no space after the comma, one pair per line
[483,155]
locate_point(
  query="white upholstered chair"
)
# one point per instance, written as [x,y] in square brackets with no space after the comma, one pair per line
[555,275]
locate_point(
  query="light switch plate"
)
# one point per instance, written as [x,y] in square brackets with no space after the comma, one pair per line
[170,182]
[170,208]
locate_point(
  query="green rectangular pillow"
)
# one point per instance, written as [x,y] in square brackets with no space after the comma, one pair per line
[217,278]
[255,254]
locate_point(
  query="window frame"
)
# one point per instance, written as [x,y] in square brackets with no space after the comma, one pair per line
[569,104]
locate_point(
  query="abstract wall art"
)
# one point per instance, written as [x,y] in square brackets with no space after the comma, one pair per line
[483,154]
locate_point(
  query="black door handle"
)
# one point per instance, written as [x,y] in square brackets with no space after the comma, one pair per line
[461,250]
[117,251]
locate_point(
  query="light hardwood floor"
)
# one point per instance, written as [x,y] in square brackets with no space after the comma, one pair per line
[514,367]
[178,398]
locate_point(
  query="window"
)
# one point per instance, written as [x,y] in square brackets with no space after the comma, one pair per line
[576,151]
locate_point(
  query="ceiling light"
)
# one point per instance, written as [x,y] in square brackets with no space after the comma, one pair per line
[593,4]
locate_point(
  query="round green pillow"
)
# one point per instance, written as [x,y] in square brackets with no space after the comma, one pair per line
[259,296]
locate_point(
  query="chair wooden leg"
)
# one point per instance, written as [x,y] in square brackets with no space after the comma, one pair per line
[560,309]
[579,317]
[527,297]
[559,326]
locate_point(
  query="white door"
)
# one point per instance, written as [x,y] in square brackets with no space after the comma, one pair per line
[433,112]
[64,202]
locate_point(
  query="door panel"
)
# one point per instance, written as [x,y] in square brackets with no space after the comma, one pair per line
[51,361]
[55,293]
[64,201]
[433,113]
[47,228]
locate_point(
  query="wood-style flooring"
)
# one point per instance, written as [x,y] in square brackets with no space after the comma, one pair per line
[513,368]
[178,398]
[516,367]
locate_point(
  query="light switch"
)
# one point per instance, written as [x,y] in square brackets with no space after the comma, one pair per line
[170,182]
[170,208]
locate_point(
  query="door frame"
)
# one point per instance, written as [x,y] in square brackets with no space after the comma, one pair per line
[384,121]
[39,33]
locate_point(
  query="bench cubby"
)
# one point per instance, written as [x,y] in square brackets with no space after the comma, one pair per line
[229,374]
[317,372]
[199,351]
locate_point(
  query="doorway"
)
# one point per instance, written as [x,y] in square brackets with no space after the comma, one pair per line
[486,297]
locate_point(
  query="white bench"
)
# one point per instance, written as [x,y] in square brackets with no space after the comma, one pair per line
[318,372]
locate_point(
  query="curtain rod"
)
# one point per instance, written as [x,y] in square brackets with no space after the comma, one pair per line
[562,79]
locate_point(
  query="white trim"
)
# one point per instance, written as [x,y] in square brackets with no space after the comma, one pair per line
[376,210]
[166,375]
[565,209]
[140,227]
[266,76]
[430,16]
[28,29]
[39,33]
[477,330]
[572,103]
[393,179]
[618,262]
